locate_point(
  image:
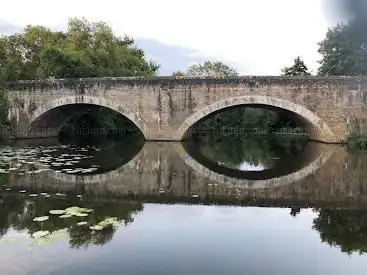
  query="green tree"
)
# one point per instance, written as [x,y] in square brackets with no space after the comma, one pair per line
[211,69]
[344,50]
[178,74]
[299,68]
[86,49]
[4,123]
[343,228]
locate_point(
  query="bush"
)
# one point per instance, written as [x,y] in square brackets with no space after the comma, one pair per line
[4,107]
[357,137]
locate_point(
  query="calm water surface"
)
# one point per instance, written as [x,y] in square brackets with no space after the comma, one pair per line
[253,205]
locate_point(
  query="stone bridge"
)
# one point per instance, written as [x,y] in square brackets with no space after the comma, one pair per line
[166,108]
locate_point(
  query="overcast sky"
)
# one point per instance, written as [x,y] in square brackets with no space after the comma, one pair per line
[255,36]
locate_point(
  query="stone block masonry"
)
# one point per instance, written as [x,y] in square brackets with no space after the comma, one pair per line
[166,109]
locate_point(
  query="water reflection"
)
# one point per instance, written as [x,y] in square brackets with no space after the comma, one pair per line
[215,240]
[323,189]
[343,228]
[165,171]
[247,153]
[73,158]
[252,157]
[18,213]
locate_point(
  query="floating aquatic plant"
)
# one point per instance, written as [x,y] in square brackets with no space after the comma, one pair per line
[41,219]
[80,214]
[66,216]
[49,238]
[106,223]
[11,239]
[57,212]
[72,211]
[40,234]
[96,227]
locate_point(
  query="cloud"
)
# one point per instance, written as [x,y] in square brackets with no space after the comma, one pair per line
[257,37]
[171,58]
[7,28]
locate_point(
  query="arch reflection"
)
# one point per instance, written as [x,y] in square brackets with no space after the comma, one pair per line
[99,161]
[254,162]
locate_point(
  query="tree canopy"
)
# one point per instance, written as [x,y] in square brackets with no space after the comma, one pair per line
[299,68]
[344,50]
[211,69]
[85,50]
[343,228]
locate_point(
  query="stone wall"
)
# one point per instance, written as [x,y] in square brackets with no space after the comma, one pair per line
[165,108]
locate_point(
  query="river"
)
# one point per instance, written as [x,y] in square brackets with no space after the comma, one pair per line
[215,205]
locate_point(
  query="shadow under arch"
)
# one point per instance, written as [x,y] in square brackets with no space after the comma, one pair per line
[125,164]
[318,129]
[96,178]
[51,116]
[319,155]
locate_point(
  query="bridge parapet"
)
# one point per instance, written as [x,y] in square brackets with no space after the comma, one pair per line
[170,81]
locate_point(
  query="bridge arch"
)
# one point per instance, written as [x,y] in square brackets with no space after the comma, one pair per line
[319,130]
[35,120]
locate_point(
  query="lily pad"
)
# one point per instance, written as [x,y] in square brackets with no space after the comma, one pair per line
[96,227]
[40,234]
[41,219]
[81,223]
[11,240]
[107,223]
[66,216]
[57,212]
[85,210]
[80,214]
[72,209]
[49,239]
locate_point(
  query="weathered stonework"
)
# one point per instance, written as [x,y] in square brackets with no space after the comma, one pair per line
[165,108]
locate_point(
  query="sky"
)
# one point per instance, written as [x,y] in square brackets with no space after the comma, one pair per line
[256,37]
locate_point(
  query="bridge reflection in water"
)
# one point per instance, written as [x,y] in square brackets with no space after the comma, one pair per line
[323,175]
